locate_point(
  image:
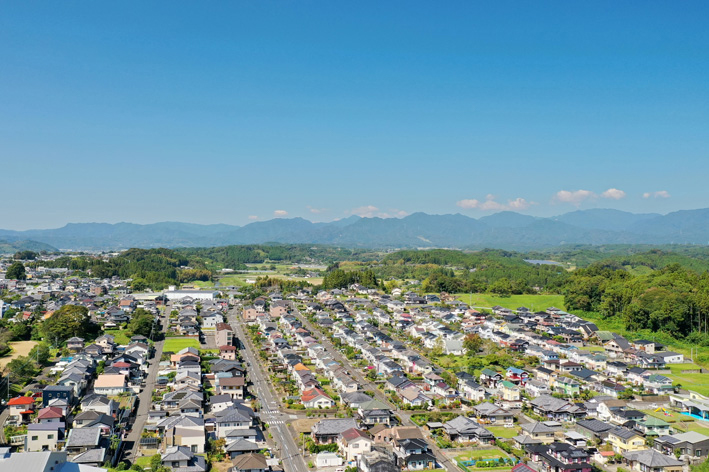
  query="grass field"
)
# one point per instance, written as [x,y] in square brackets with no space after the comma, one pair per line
[696,382]
[258,270]
[120,336]
[178,344]
[533,302]
[502,432]
[673,417]
[19,348]
[483,453]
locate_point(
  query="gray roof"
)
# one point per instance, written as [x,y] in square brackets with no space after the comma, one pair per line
[333,425]
[652,458]
[595,426]
[241,445]
[177,453]
[91,456]
[541,427]
[83,437]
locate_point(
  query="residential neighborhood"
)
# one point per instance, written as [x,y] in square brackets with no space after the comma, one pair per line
[352,377]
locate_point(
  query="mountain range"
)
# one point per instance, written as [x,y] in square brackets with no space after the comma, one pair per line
[504,230]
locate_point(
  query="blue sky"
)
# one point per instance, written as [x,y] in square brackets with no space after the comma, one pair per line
[224,112]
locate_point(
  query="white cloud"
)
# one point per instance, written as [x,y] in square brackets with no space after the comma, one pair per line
[658,194]
[280,213]
[519,204]
[316,211]
[367,211]
[370,211]
[613,194]
[575,197]
[253,217]
[490,204]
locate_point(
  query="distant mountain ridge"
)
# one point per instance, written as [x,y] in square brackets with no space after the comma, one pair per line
[504,230]
[11,247]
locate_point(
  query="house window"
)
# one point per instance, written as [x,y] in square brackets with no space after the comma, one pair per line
[34,438]
[50,436]
[698,453]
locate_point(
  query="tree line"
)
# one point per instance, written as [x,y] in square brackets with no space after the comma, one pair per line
[673,299]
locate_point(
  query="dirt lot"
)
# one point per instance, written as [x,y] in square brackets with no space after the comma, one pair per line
[19,348]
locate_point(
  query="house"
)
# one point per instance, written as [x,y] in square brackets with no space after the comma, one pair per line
[43,436]
[488,413]
[181,459]
[327,459]
[557,409]
[233,386]
[414,397]
[378,460]
[414,454]
[328,430]
[691,444]
[75,344]
[650,460]
[225,335]
[670,357]
[316,398]
[41,462]
[20,408]
[593,429]
[251,462]
[227,352]
[53,392]
[623,440]
[101,404]
[241,446]
[509,394]
[83,439]
[353,443]
[50,414]
[560,457]
[110,384]
[544,431]
[464,429]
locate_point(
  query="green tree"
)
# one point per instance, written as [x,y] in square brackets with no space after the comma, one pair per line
[16,271]
[68,321]
[141,322]
[472,343]
[155,463]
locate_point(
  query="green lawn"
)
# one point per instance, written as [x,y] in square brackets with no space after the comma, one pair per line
[673,417]
[533,302]
[178,344]
[143,461]
[678,368]
[493,453]
[502,432]
[696,382]
[120,336]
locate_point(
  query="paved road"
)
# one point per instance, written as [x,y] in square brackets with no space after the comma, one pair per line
[145,399]
[291,457]
[370,386]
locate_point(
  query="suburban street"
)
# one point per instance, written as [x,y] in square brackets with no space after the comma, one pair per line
[290,454]
[132,442]
[371,386]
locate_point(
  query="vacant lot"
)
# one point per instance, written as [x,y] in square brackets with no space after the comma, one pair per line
[502,432]
[696,382]
[19,348]
[119,335]
[533,302]
[178,344]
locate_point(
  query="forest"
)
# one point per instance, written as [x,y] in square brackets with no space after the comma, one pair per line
[673,299]
[236,257]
